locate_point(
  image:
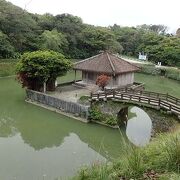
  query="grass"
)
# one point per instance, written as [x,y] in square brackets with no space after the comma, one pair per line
[159,84]
[7,69]
[159,160]
[69,77]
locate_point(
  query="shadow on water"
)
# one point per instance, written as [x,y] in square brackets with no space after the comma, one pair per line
[137,123]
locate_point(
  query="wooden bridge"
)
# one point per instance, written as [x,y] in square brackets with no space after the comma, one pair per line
[146,98]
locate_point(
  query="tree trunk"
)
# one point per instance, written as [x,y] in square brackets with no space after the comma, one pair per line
[35,85]
[50,85]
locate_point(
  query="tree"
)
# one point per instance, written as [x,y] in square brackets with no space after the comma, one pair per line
[128,37]
[71,26]
[52,40]
[20,27]
[6,49]
[46,21]
[102,81]
[39,67]
[94,39]
[156,28]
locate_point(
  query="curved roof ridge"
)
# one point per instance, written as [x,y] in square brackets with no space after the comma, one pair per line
[111,63]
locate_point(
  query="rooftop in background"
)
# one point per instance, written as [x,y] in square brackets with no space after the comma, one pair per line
[107,63]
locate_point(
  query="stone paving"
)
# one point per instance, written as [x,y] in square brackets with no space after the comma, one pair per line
[70,92]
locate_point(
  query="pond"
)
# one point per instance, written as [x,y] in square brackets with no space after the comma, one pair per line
[39,144]
[139,127]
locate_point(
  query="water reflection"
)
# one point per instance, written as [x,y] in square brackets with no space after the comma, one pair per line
[36,142]
[7,127]
[24,163]
[138,124]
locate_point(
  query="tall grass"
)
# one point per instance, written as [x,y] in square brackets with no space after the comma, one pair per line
[171,150]
[160,160]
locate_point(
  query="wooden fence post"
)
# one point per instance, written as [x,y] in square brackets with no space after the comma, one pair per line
[130,97]
[113,93]
[159,103]
[170,107]
[121,96]
[105,93]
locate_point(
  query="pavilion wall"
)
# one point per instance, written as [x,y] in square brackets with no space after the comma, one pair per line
[89,77]
[124,79]
[117,81]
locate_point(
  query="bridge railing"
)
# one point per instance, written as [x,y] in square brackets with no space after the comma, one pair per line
[163,96]
[165,101]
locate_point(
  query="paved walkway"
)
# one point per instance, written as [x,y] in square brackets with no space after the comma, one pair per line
[70,93]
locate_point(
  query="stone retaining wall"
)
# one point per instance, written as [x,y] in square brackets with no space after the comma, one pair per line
[65,106]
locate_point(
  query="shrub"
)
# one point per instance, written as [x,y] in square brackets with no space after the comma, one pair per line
[96,115]
[172,73]
[102,81]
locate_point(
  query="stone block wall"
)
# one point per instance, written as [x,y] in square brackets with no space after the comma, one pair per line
[65,106]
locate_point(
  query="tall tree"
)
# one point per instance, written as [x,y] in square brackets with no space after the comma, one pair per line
[6,49]
[71,26]
[94,39]
[52,40]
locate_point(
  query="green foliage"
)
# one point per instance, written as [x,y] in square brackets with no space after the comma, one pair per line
[172,73]
[46,21]
[20,27]
[129,38]
[53,40]
[150,69]
[96,115]
[6,49]
[97,171]
[160,160]
[42,65]
[68,35]
[171,152]
[99,38]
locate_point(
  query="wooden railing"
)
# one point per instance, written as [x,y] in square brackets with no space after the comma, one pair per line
[164,101]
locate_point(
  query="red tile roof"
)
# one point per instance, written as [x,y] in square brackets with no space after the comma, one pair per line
[105,63]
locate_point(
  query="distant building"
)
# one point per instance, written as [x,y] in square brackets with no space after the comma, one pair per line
[142,56]
[120,71]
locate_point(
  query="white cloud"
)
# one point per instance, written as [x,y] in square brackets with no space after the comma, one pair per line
[104,13]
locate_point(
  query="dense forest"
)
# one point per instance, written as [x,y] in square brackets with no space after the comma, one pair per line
[21,31]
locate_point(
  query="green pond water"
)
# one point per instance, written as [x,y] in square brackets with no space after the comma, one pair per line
[37,144]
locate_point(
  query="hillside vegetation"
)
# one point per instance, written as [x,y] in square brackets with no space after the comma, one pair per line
[21,31]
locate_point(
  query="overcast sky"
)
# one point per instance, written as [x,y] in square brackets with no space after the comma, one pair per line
[109,12]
